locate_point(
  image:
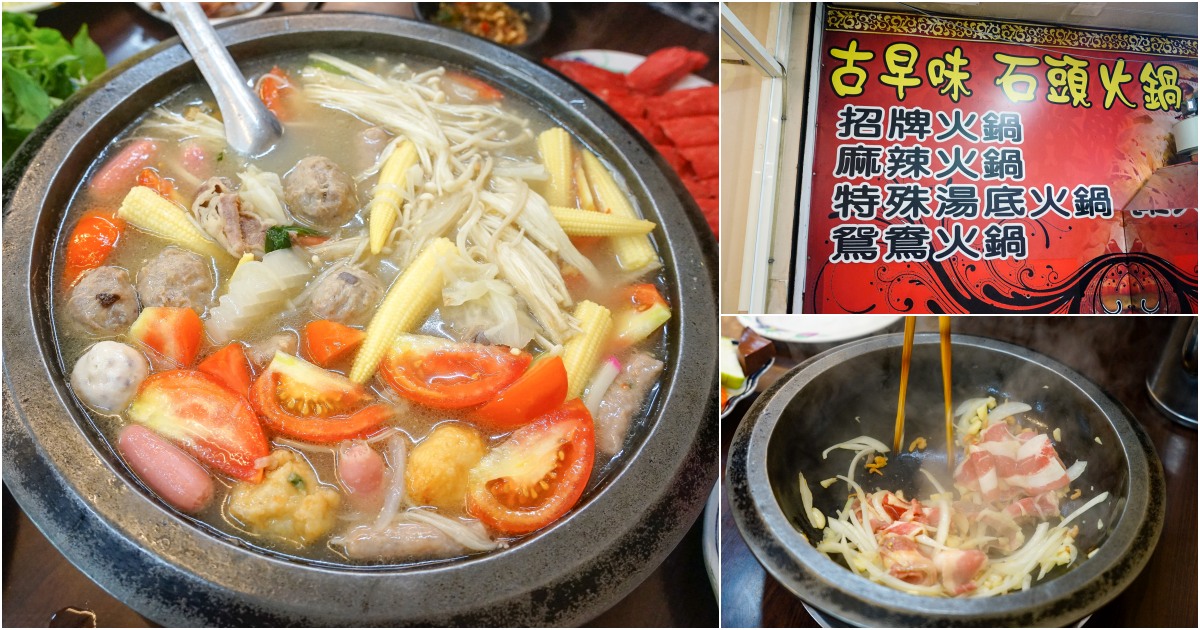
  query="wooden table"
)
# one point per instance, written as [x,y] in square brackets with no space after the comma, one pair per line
[38,581]
[1114,352]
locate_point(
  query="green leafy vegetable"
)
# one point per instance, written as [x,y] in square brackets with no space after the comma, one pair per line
[278,236]
[296,480]
[41,69]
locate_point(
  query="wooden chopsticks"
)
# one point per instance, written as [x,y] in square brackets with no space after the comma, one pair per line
[910,326]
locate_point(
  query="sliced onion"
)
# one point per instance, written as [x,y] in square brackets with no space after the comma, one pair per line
[460,532]
[969,404]
[1076,469]
[1083,508]
[1007,409]
[395,493]
[605,375]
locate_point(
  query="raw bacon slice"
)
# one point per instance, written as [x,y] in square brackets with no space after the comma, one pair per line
[664,68]
[680,103]
[1003,465]
[902,555]
[1044,505]
[693,131]
[958,568]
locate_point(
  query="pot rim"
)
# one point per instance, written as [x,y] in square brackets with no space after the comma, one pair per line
[829,586]
[181,575]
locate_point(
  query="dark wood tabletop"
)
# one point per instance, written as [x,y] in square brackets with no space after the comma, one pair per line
[40,585]
[1117,353]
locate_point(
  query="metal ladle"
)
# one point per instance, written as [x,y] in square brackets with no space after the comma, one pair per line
[250,128]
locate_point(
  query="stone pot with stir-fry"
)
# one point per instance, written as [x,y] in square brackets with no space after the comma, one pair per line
[446,329]
[1053,506]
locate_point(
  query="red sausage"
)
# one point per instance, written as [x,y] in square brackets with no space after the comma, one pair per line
[360,467]
[169,472]
[119,174]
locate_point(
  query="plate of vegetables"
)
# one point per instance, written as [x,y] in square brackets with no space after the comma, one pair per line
[742,362]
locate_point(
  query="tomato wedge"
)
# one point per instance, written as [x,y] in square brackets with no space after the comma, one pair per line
[537,474]
[540,390]
[274,88]
[325,341]
[445,374]
[172,334]
[202,416]
[300,400]
[483,91]
[92,240]
[229,366]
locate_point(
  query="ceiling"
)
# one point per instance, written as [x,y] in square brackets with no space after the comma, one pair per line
[1176,18]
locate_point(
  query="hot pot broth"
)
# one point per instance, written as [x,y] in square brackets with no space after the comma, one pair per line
[507,176]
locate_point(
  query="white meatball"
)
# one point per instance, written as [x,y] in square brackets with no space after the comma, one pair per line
[108,375]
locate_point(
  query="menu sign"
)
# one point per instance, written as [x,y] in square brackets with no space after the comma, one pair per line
[970,165]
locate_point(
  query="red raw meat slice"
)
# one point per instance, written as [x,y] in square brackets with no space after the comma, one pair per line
[664,68]
[712,212]
[701,188]
[704,160]
[694,131]
[588,76]
[680,103]
[649,130]
[678,164]
[624,102]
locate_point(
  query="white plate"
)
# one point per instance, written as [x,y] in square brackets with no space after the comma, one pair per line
[712,517]
[817,328]
[624,63]
[258,9]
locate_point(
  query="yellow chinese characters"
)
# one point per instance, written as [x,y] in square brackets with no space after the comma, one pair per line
[856,74]
[1017,86]
[1112,82]
[901,61]
[1068,79]
[1160,86]
[948,73]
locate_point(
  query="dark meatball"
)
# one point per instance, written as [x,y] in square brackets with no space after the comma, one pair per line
[103,301]
[318,192]
[176,277]
[345,295]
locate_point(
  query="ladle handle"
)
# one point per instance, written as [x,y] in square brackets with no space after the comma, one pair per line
[250,128]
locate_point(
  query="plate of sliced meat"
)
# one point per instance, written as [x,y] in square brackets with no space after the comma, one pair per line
[675,110]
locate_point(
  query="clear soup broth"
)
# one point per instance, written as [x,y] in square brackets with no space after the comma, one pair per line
[273,282]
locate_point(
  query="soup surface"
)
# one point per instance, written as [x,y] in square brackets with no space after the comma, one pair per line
[422,326]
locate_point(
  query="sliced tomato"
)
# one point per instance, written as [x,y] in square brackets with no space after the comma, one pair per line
[447,374]
[274,88]
[325,341]
[540,390]
[229,366]
[151,179]
[92,240]
[171,334]
[537,474]
[202,416]
[483,92]
[299,400]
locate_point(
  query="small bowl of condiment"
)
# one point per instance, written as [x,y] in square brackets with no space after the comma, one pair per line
[512,24]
